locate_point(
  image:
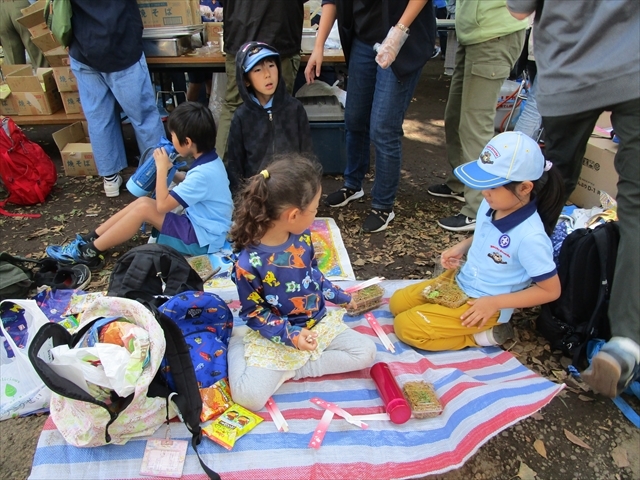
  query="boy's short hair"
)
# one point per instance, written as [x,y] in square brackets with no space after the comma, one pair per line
[195,121]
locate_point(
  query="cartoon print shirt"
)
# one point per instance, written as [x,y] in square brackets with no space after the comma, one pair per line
[282,290]
[506,255]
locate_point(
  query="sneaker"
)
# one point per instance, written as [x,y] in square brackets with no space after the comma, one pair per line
[497,335]
[458,223]
[614,367]
[69,254]
[436,51]
[343,197]
[442,190]
[112,189]
[72,277]
[46,273]
[377,221]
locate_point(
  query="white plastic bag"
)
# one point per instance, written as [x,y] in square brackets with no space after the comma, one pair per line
[216,97]
[21,389]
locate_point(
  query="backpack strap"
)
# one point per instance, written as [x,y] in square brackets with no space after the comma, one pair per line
[188,399]
[602,240]
[59,335]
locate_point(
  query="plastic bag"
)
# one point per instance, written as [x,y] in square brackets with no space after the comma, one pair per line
[216,98]
[21,390]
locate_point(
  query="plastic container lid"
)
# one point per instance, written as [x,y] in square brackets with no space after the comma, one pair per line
[324,108]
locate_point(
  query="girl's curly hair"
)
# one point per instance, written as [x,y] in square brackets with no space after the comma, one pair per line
[292,181]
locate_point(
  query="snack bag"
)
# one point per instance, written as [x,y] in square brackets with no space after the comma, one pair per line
[215,400]
[231,425]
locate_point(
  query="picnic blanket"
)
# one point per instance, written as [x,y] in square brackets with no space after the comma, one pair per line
[483,391]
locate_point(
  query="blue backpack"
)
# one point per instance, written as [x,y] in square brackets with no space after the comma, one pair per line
[206,324]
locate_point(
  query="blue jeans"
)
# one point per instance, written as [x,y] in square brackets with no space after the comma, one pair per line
[376,104]
[132,90]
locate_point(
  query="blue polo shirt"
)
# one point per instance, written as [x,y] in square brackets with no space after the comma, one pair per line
[206,198]
[506,255]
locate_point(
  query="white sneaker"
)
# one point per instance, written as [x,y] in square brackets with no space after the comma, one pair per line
[112,189]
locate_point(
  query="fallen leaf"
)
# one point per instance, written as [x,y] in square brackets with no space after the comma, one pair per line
[539,446]
[576,440]
[584,398]
[619,456]
[359,262]
[526,473]
[537,416]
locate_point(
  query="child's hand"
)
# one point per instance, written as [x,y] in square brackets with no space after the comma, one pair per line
[163,163]
[352,304]
[481,310]
[451,257]
[307,340]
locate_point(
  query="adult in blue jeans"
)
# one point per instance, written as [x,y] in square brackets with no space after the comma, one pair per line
[111,70]
[379,90]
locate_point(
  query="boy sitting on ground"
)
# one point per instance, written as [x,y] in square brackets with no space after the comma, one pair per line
[269,122]
[207,211]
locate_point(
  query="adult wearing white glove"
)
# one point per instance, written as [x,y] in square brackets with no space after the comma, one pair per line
[379,89]
[388,51]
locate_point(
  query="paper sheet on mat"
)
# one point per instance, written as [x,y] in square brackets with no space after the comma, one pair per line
[332,256]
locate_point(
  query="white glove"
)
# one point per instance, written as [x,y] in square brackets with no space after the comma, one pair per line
[388,51]
[206,12]
[217,14]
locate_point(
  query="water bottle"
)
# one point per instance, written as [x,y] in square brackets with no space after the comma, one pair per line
[143,181]
[396,405]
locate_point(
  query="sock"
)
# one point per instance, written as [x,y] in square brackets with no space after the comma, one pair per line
[484,338]
[90,237]
[89,250]
[111,178]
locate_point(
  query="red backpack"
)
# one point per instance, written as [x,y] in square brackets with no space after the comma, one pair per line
[28,174]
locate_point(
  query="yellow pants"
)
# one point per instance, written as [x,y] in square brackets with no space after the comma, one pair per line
[429,326]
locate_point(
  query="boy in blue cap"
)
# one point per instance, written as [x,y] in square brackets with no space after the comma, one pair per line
[270,122]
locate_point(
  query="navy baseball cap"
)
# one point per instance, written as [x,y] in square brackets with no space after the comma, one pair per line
[256,54]
[508,157]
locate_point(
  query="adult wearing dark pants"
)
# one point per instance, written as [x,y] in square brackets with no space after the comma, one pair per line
[277,23]
[490,41]
[15,38]
[111,70]
[379,89]
[584,69]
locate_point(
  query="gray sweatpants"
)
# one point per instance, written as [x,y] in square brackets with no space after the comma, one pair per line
[251,387]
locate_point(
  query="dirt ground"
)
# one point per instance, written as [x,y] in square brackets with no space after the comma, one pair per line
[579,435]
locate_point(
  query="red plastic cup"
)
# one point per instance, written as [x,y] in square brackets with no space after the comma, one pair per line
[396,405]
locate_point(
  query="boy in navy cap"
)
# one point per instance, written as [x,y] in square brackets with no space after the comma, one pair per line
[270,121]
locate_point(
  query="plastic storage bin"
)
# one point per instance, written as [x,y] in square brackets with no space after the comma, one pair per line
[326,119]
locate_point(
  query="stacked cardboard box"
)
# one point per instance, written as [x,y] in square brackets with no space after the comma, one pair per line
[31,94]
[598,172]
[75,150]
[169,13]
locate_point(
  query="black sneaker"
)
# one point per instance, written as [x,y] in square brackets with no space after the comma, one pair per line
[499,334]
[458,223]
[442,190]
[377,220]
[72,277]
[342,197]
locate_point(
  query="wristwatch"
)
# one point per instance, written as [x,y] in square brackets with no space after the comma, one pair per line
[403,28]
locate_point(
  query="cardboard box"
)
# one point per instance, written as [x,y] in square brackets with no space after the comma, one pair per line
[46,41]
[169,13]
[71,102]
[58,57]
[39,5]
[214,34]
[598,173]
[34,95]
[33,18]
[65,79]
[7,106]
[75,150]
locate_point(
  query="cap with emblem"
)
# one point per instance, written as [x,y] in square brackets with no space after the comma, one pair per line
[256,53]
[508,157]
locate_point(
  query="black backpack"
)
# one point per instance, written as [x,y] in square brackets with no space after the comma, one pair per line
[177,354]
[141,271]
[587,263]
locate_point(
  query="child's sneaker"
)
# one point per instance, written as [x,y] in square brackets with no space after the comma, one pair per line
[497,335]
[614,367]
[70,254]
[72,277]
